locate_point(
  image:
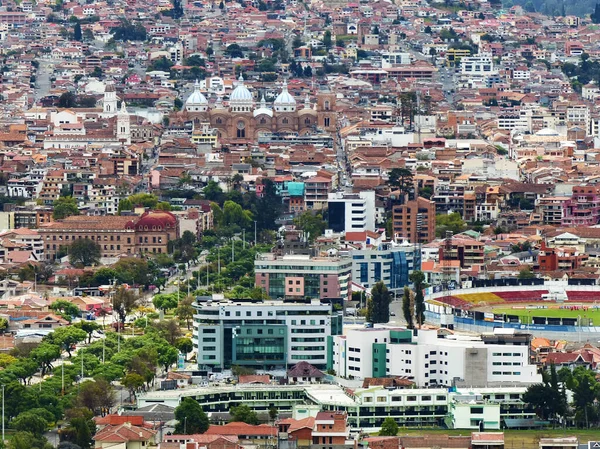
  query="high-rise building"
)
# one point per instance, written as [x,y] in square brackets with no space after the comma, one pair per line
[351,212]
[414,220]
[298,277]
[263,335]
[390,262]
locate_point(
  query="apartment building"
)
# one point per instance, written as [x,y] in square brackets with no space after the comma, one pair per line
[316,192]
[583,208]
[414,220]
[331,431]
[352,212]
[551,208]
[468,251]
[428,359]
[390,262]
[263,335]
[297,276]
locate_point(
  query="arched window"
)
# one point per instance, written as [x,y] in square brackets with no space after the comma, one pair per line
[307,121]
[241,133]
[326,105]
[285,121]
[263,121]
[219,121]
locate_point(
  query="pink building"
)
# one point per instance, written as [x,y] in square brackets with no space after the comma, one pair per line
[583,208]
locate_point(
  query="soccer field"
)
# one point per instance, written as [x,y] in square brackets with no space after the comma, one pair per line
[590,313]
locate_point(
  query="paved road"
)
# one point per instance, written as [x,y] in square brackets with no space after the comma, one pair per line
[44,73]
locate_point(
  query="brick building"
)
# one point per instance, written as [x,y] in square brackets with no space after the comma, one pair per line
[116,235]
[414,220]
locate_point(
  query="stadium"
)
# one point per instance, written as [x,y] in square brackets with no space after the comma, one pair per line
[551,306]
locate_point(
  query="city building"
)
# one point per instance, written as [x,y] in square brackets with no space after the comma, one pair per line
[351,212]
[414,220]
[366,408]
[263,335]
[116,235]
[298,276]
[429,358]
[389,262]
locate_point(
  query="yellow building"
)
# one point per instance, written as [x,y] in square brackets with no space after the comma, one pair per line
[454,55]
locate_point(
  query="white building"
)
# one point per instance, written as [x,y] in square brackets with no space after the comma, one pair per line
[266,334]
[496,359]
[352,212]
[478,65]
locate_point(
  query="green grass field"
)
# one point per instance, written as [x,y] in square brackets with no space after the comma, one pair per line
[517,439]
[526,314]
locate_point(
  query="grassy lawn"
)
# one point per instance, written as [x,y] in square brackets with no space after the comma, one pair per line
[516,439]
[593,314]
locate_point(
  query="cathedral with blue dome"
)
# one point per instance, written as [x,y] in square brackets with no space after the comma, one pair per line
[244,118]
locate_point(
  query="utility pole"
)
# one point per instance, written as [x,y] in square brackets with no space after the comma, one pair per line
[255,239]
[62,380]
[243,238]
[232,250]
[3,440]
[219,260]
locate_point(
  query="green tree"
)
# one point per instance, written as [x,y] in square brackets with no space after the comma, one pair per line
[64,207]
[586,390]
[77,35]
[407,308]
[177,104]
[389,427]
[27,440]
[449,222]
[311,223]
[67,337]
[67,100]
[133,382]
[418,279]
[124,301]
[526,273]
[378,306]
[96,395]
[65,308]
[401,179]
[88,327]
[84,253]
[243,413]
[327,39]
[185,310]
[44,355]
[190,417]
[165,301]
[30,422]
[184,345]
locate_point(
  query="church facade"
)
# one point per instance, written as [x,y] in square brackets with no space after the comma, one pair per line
[243,120]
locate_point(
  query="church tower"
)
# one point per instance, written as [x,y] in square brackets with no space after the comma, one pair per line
[110,100]
[123,125]
[326,114]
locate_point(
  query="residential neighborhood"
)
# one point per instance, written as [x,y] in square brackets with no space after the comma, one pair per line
[300,224]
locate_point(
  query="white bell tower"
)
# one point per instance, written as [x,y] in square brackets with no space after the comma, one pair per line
[123,124]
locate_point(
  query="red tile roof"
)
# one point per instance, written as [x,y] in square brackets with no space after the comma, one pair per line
[124,433]
[240,428]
